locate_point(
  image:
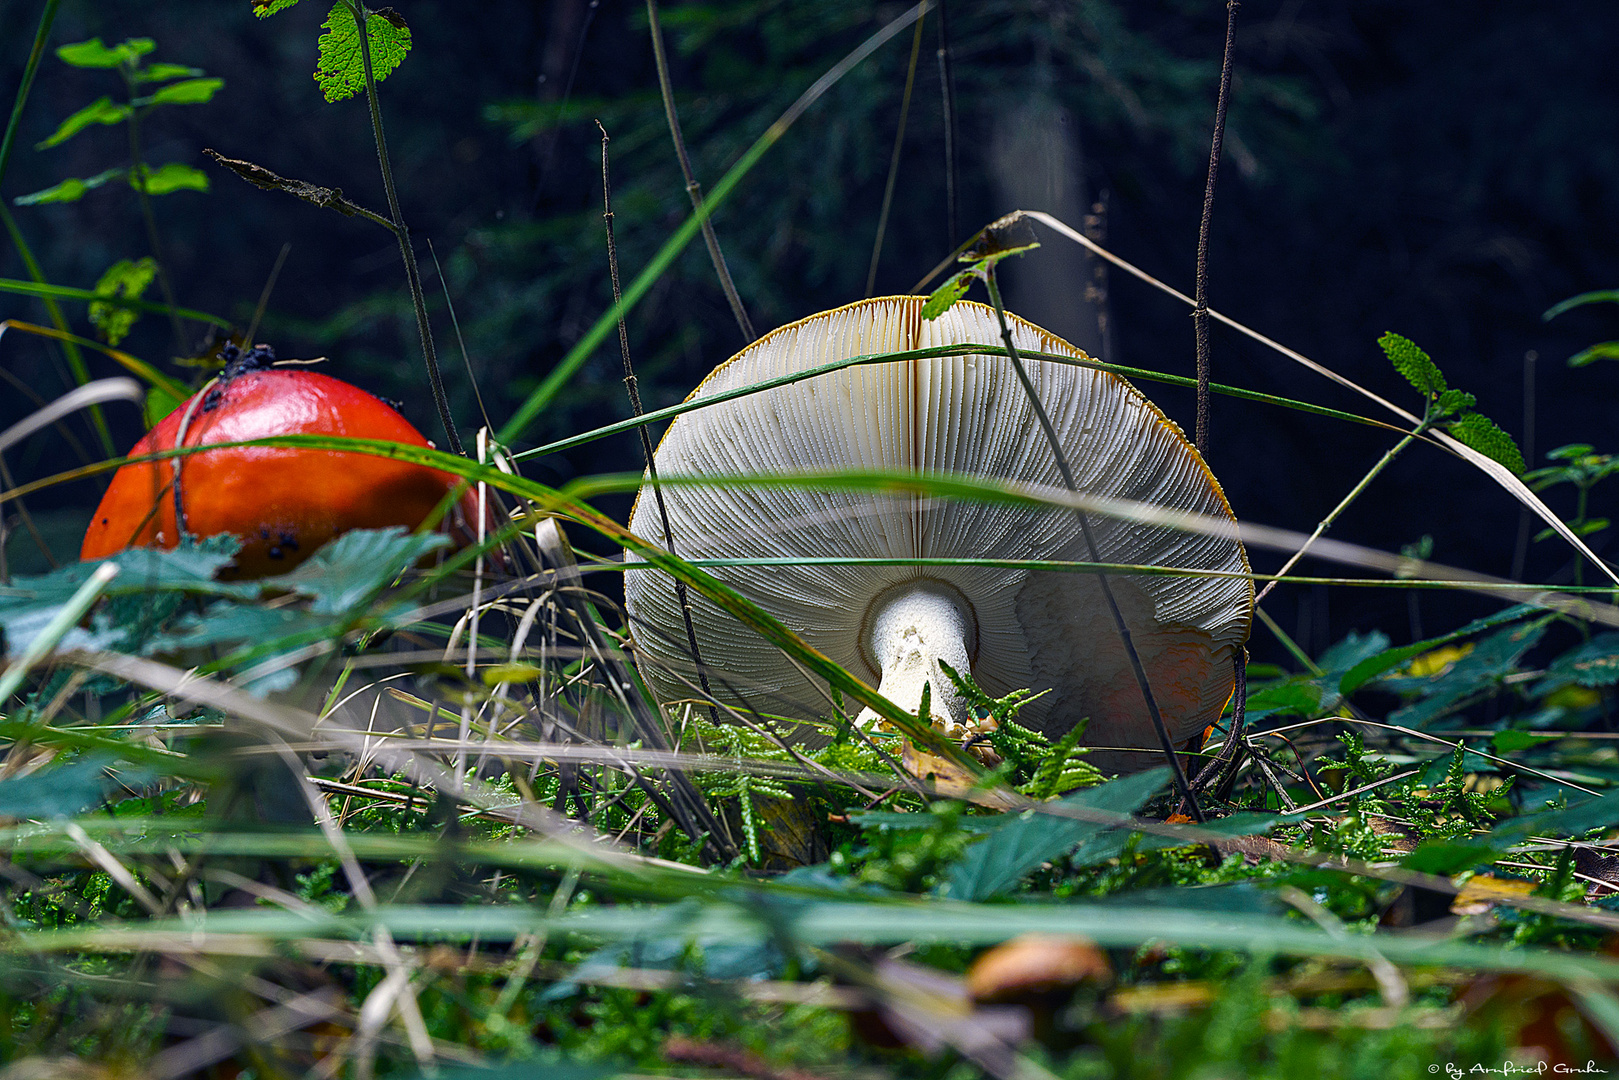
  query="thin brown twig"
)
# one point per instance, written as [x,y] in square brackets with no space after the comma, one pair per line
[1200,315]
[1187,795]
[893,163]
[693,188]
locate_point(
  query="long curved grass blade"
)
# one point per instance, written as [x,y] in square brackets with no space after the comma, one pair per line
[99,392]
[1493,469]
[1144,374]
[569,364]
[134,365]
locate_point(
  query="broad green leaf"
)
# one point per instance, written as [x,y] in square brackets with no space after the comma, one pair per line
[1455,401]
[1002,859]
[1485,436]
[1448,857]
[1417,366]
[1370,668]
[189,92]
[341,68]
[172,177]
[70,190]
[1598,296]
[1511,740]
[164,72]
[159,403]
[101,111]
[346,572]
[57,790]
[263,9]
[1594,663]
[124,279]
[1298,696]
[945,296]
[93,54]
[228,623]
[1606,350]
[1484,668]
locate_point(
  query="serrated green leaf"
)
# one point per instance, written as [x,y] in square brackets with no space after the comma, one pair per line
[123,279]
[1003,858]
[100,111]
[1606,350]
[164,72]
[70,190]
[263,9]
[228,623]
[1417,366]
[1512,740]
[93,54]
[1367,670]
[1485,435]
[189,92]
[346,572]
[945,296]
[1592,663]
[341,68]
[172,177]
[1455,401]
[1484,668]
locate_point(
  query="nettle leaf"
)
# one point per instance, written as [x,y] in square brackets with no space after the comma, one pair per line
[165,72]
[1007,855]
[945,296]
[171,178]
[1485,435]
[70,190]
[1484,668]
[93,54]
[347,571]
[1367,670]
[123,279]
[1417,366]
[1605,350]
[341,68]
[263,9]
[189,92]
[226,622]
[1455,401]
[101,111]
[1594,663]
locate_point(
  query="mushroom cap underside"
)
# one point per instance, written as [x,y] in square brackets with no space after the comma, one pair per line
[1036,629]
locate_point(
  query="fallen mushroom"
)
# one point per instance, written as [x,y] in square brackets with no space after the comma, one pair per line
[1009,627]
[283,502]
[1033,966]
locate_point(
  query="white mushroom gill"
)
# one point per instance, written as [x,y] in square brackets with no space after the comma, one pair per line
[1042,630]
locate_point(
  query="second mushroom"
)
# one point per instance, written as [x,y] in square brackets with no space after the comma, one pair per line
[1011,627]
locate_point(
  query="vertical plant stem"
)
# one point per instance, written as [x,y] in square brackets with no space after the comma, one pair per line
[402,233]
[1083,519]
[1354,493]
[630,385]
[70,351]
[1200,315]
[137,176]
[693,188]
[1520,550]
[947,98]
[893,162]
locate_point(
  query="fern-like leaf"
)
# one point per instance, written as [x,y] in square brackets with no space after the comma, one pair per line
[1417,366]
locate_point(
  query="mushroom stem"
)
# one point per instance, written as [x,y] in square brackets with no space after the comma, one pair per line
[911,629]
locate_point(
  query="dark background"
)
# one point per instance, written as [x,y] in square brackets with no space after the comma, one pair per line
[1444,170]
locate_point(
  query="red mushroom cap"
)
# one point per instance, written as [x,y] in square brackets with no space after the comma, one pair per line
[284,502]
